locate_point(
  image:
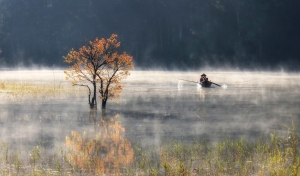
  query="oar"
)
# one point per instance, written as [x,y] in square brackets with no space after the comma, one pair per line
[215,84]
[198,83]
[189,81]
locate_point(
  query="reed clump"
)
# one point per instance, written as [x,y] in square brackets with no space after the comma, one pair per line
[277,155]
[38,90]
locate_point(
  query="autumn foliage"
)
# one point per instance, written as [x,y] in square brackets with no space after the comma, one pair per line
[99,65]
[106,152]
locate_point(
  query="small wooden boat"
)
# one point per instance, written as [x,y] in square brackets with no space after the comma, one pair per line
[206,84]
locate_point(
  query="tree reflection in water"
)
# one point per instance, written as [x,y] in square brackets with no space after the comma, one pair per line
[107,151]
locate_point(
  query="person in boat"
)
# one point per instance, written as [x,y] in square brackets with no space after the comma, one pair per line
[203,78]
[204,81]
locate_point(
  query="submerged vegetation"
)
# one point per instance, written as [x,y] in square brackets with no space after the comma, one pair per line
[278,155]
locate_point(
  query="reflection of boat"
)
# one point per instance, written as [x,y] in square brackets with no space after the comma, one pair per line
[201,93]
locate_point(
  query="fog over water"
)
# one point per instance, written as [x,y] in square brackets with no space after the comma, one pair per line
[155,106]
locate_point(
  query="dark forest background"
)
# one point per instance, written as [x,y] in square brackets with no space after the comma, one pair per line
[180,34]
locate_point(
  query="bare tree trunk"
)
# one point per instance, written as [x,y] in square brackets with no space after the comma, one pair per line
[103,104]
[104,99]
[93,103]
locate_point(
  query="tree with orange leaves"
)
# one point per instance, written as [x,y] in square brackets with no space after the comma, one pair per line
[99,64]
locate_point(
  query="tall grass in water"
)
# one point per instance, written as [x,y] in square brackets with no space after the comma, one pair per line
[31,162]
[276,155]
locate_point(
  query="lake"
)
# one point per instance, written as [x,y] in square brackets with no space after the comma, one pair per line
[155,107]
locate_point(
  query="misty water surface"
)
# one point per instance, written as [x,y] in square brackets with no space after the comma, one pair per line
[156,107]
